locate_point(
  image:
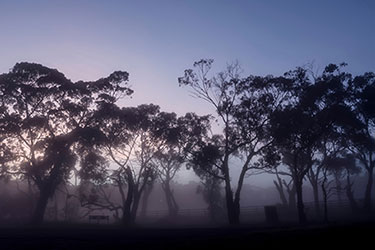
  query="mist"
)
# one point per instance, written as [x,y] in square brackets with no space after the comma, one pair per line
[186,124]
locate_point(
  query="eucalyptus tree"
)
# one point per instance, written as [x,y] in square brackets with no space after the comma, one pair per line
[311,128]
[137,141]
[243,107]
[129,145]
[362,136]
[49,119]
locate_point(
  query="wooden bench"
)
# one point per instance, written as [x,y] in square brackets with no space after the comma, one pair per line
[98,218]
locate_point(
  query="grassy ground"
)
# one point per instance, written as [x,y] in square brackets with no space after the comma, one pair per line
[112,237]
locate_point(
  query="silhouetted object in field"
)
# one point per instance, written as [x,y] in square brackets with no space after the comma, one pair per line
[50,121]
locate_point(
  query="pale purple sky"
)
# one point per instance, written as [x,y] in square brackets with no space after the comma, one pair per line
[156,40]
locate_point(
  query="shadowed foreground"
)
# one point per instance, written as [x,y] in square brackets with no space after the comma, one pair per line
[86,237]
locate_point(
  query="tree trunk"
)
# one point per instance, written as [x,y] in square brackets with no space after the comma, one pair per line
[350,195]
[41,206]
[325,199]
[126,217]
[171,202]
[134,209]
[280,189]
[175,205]
[367,201]
[313,178]
[292,197]
[233,215]
[300,206]
[145,197]
[316,199]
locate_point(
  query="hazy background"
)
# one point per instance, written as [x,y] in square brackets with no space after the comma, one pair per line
[156,40]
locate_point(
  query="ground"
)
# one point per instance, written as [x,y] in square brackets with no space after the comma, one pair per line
[242,237]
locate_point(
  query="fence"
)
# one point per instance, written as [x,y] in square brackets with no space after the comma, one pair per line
[256,214]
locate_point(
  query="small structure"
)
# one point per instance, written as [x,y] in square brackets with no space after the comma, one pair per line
[98,218]
[271,215]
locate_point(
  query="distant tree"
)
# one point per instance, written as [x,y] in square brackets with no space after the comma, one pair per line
[334,170]
[282,186]
[187,132]
[243,106]
[168,164]
[313,114]
[362,134]
[212,190]
[49,119]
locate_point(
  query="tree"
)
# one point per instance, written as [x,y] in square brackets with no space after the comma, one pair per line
[49,119]
[362,135]
[338,166]
[282,186]
[309,118]
[243,107]
[168,164]
[130,144]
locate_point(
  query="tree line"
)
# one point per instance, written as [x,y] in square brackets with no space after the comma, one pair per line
[301,125]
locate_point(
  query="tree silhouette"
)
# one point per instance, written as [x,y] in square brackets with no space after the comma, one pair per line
[361,135]
[243,106]
[168,164]
[49,119]
[310,117]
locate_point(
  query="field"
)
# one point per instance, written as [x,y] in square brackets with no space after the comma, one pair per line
[242,237]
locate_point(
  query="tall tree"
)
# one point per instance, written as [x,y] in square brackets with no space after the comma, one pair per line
[310,116]
[363,139]
[136,138]
[47,117]
[242,106]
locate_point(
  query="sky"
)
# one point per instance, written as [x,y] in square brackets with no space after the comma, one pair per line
[155,41]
